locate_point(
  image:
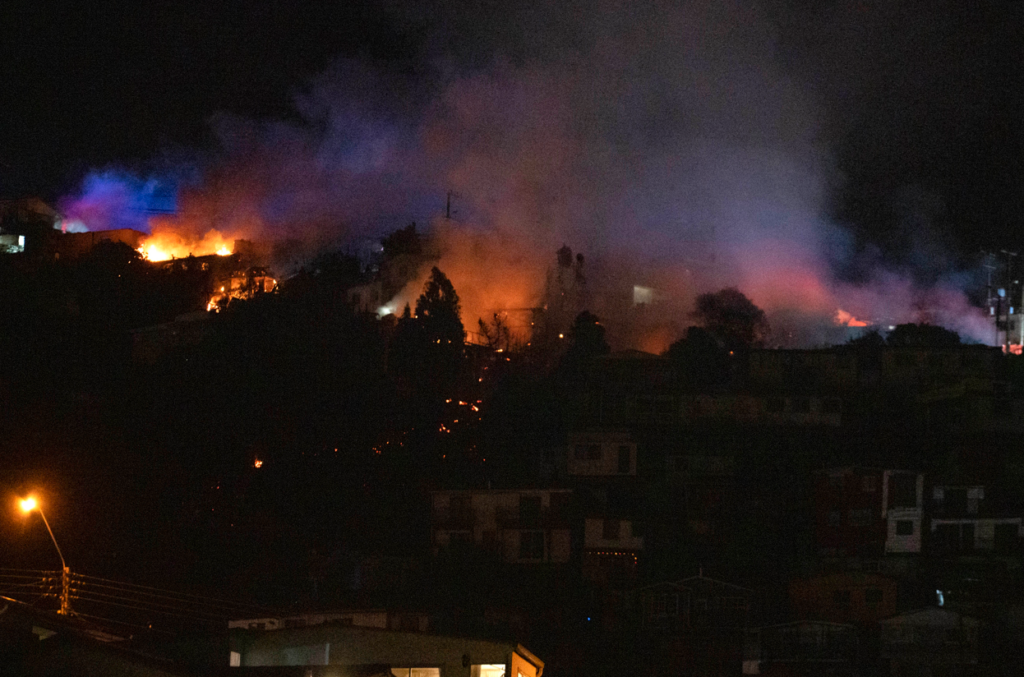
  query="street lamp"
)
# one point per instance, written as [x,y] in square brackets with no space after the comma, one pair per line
[28,504]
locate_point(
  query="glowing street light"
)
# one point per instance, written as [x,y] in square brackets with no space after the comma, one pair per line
[28,504]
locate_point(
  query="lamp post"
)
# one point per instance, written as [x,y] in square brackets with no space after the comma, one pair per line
[27,505]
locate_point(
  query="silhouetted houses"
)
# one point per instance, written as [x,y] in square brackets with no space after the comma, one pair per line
[929,641]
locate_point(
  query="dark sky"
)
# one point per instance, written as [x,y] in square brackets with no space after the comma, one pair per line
[921,101]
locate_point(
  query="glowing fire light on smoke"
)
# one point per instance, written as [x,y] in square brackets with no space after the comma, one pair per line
[167,245]
[845,319]
[258,463]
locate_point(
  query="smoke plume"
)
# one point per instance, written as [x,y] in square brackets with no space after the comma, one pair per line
[682,147]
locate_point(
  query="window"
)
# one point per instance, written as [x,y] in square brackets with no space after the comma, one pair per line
[531,545]
[904,527]
[416,672]
[625,459]
[610,530]
[488,670]
[831,405]
[775,405]
[579,452]
[802,405]
[593,452]
[529,509]
[860,517]
[841,599]
[868,483]
[835,481]
[872,597]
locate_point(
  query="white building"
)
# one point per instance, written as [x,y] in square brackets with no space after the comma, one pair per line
[903,509]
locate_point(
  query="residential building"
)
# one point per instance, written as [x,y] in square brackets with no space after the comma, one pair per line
[776,409]
[365,618]
[930,641]
[962,521]
[601,453]
[805,648]
[849,520]
[903,509]
[611,551]
[695,602]
[527,526]
[845,597]
[694,626]
[403,654]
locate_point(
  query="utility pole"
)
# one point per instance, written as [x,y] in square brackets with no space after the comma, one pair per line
[1009,296]
[989,299]
[448,205]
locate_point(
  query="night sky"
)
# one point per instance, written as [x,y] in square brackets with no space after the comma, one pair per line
[917,105]
[925,97]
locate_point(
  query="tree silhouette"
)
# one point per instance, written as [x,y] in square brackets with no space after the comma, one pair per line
[732,318]
[439,311]
[923,336]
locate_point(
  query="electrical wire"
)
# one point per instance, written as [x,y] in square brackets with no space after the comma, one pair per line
[153,605]
[201,598]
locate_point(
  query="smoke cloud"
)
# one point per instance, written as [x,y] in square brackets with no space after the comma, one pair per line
[683,147]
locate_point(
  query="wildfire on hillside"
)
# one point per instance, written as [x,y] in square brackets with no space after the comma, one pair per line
[165,245]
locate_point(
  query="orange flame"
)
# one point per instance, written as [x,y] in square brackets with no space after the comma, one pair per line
[845,319]
[166,245]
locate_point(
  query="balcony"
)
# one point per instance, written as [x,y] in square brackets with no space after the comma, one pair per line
[545,518]
[446,518]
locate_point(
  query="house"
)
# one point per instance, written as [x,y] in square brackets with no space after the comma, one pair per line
[806,648]
[611,550]
[830,370]
[694,626]
[402,654]
[364,618]
[846,597]
[527,526]
[962,521]
[628,388]
[39,642]
[903,509]
[601,453]
[695,602]
[74,245]
[849,518]
[777,409]
[923,641]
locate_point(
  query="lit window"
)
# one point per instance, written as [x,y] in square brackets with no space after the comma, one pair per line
[488,670]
